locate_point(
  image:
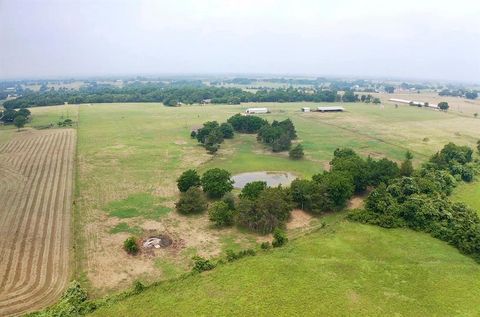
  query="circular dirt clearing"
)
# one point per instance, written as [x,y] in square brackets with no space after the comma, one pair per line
[160,241]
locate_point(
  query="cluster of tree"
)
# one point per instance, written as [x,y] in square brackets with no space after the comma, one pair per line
[169,94]
[278,135]
[262,209]
[420,202]
[457,160]
[369,98]
[469,94]
[212,134]
[18,117]
[215,183]
[349,174]
[258,207]
[247,124]
[349,96]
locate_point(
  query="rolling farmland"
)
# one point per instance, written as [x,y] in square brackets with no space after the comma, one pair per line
[36,174]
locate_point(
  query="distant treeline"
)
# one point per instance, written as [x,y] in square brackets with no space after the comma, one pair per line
[459,93]
[171,96]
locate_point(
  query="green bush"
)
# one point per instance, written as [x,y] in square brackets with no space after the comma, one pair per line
[130,245]
[253,189]
[138,287]
[221,214]
[188,179]
[279,238]
[192,201]
[270,210]
[296,153]
[265,245]
[216,182]
[232,256]
[201,264]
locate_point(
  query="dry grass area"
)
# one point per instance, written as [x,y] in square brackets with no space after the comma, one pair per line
[36,172]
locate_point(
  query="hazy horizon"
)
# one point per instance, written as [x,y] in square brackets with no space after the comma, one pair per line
[427,40]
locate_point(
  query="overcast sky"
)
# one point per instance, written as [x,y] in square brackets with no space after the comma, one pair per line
[376,38]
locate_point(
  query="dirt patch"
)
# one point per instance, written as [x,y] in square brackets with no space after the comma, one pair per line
[299,219]
[157,241]
[356,202]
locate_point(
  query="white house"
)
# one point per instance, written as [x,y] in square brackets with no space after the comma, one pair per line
[330,109]
[305,109]
[256,110]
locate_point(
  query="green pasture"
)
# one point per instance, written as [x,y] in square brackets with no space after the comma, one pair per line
[344,269]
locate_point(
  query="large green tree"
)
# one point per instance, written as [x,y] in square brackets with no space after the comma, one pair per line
[188,179]
[192,201]
[216,182]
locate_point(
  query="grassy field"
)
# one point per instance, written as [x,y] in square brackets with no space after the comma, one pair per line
[469,194]
[344,269]
[129,155]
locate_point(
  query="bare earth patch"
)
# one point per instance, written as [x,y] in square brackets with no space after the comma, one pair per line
[299,219]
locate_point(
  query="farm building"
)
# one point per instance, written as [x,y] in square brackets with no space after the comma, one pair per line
[305,109]
[330,109]
[414,103]
[256,110]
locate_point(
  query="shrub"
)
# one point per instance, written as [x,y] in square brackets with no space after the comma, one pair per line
[265,245]
[227,130]
[189,178]
[221,214]
[201,264]
[193,134]
[192,201]
[229,199]
[279,238]
[232,256]
[216,182]
[296,153]
[130,245]
[138,287]
[253,189]
[270,210]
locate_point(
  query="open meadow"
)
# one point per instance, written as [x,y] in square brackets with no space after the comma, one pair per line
[345,269]
[129,156]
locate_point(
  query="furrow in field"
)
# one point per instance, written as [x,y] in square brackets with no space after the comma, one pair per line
[34,263]
[20,238]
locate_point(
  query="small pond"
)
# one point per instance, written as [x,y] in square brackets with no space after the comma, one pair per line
[273,179]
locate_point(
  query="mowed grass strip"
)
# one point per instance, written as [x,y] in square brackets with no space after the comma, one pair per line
[349,269]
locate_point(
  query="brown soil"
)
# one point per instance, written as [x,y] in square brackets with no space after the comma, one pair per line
[37,169]
[299,219]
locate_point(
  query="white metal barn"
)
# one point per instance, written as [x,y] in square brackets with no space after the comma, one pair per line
[305,109]
[256,110]
[330,109]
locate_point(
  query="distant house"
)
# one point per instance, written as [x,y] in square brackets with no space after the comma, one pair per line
[330,109]
[206,101]
[305,109]
[256,110]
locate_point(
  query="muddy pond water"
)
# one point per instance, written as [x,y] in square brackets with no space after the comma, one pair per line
[272,179]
